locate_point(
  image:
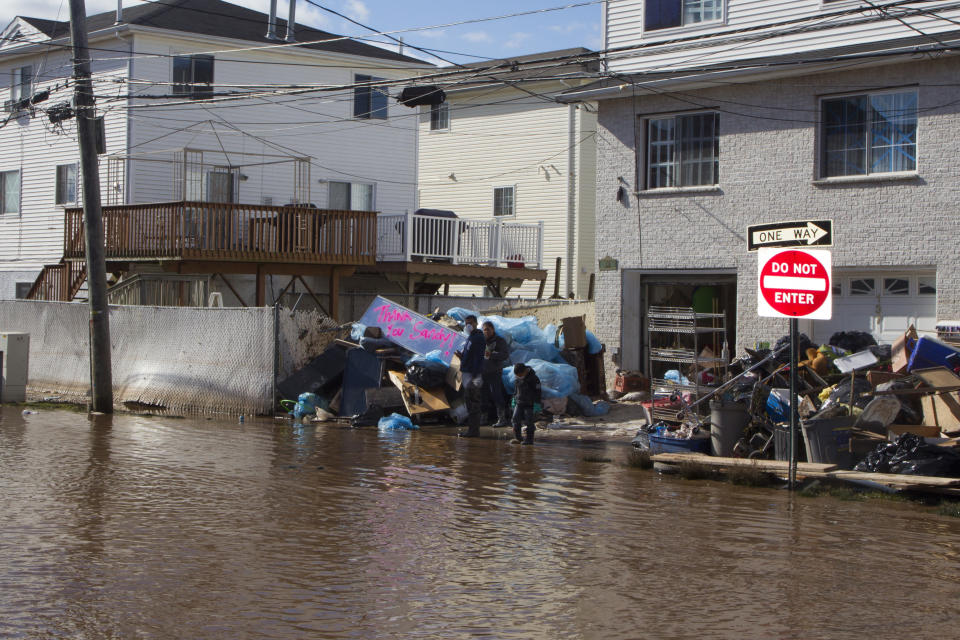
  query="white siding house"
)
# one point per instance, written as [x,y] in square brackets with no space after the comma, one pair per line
[726,114]
[509,151]
[357,146]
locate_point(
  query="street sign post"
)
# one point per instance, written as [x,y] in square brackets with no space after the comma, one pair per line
[795,233]
[794,283]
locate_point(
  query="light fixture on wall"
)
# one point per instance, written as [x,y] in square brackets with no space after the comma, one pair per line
[621,194]
[453,177]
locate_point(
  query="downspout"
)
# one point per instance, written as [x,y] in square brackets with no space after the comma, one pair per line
[291,21]
[272,21]
[119,12]
[127,162]
[572,240]
[603,35]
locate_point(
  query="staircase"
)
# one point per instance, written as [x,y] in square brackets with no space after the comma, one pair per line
[59,282]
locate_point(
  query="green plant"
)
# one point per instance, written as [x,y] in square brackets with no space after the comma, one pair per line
[595,457]
[694,470]
[950,508]
[639,459]
[751,476]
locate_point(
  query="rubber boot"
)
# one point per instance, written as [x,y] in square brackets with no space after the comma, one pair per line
[518,436]
[473,426]
[529,438]
[503,420]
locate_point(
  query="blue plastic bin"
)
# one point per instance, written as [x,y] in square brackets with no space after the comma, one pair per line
[930,352]
[697,444]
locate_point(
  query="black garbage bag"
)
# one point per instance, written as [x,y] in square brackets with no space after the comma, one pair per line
[427,374]
[910,455]
[852,341]
[369,418]
[803,343]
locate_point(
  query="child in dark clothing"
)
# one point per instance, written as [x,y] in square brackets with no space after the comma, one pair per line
[526,395]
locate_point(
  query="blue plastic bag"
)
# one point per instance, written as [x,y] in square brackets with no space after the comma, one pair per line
[588,408]
[435,356]
[594,346]
[356,331]
[675,376]
[396,422]
[556,380]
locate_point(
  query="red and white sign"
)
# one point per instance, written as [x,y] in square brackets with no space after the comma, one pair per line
[795,283]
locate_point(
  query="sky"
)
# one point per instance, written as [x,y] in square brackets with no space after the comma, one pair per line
[545,31]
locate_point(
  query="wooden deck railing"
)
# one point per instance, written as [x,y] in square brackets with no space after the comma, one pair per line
[58,281]
[229,232]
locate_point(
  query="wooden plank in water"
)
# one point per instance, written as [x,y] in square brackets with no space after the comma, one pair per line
[805,468]
[898,479]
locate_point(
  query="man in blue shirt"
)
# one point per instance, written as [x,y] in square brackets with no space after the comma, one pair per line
[471,373]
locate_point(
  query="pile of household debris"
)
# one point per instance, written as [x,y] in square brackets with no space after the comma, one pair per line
[874,408]
[398,369]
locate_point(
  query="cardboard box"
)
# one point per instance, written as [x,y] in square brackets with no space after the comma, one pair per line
[574,332]
[923,431]
[901,350]
[942,410]
[879,377]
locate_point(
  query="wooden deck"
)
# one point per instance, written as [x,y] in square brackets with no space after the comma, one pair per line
[227,232]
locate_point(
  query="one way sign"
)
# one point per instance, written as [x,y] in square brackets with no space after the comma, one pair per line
[796,233]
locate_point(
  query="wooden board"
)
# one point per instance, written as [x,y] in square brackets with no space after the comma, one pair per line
[453,379]
[898,479]
[763,465]
[430,399]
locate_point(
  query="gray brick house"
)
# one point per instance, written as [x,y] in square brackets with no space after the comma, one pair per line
[718,115]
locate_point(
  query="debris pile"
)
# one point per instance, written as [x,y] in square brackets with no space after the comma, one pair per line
[876,408]
[397,369]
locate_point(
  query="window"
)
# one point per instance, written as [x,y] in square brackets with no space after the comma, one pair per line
[21,83]
[22,289]
[369,101]
[504,201]
[664,14]
[867,134]
[350,196]
[896,287]
[863,287]
[193,76]
[440,117]
[927,285]
[9,192]
[683,151]
[66,183]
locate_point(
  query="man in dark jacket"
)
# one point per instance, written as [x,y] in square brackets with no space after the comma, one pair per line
[527,394]
[494,360]
[471,374]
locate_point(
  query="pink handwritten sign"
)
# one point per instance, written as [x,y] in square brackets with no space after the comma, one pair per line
[412,330]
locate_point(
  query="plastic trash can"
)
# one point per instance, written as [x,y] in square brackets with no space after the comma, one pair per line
[781,442]
[828,440]
[727,420]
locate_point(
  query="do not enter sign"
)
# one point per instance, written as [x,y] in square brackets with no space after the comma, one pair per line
[795,283]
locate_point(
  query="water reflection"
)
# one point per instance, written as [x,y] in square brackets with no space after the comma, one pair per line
[138,527]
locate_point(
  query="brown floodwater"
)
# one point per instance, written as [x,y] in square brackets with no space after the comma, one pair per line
[139,527]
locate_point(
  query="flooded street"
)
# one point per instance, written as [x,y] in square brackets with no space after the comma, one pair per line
[139,527]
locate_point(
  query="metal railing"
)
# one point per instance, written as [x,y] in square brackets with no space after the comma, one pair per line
[409,237]
[228,231]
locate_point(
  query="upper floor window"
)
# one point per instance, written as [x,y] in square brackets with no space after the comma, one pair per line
[369,101]
[21,86]
[66,184]
[9,191]
[504,201]
[440,117]
[869,133]
[683,151]
[193,76]
[350,196]
[664,14]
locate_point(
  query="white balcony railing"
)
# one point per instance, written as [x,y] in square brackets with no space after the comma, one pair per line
[408,238]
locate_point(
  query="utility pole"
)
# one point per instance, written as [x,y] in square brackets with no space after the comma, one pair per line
[101,376]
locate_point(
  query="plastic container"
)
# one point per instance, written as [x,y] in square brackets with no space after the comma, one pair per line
[727,420]
[828,440]
[662,444]
[930,352]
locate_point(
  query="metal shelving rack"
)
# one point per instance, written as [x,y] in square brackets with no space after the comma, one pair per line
[677,336]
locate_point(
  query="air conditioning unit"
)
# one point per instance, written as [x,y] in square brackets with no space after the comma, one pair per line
[16,358]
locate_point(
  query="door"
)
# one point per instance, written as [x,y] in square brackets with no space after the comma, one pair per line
[882,303]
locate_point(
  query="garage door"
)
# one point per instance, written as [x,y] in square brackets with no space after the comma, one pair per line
[881,303]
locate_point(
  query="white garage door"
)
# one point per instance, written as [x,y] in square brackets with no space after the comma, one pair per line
[881,303]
